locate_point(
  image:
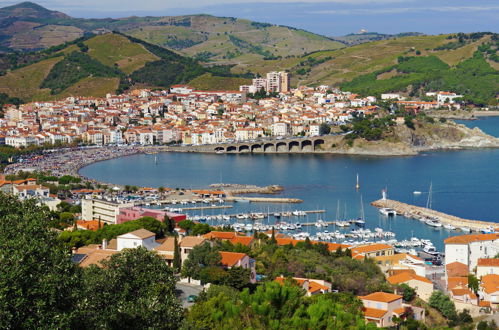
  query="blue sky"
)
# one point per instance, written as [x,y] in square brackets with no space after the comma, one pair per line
[326,17]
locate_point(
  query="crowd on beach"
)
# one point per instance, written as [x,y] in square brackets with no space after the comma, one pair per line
[68,161]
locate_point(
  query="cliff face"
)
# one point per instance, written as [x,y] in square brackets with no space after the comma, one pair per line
[405,141]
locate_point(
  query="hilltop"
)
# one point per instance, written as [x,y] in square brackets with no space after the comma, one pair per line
[95,66]
[28,26]
[362,37]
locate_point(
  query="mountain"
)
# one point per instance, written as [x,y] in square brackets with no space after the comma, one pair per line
[227,40]
[95,66]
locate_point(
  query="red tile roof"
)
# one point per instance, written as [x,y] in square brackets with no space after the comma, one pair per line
[229,259]
[381,297]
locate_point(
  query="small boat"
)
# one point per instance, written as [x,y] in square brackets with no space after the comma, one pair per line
[388,212]
[277,215]
[465,229]
[430,249]
[433,223]
[242,200]
[449,226]
[416,192]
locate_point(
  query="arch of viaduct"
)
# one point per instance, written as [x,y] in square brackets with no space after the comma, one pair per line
[272,146]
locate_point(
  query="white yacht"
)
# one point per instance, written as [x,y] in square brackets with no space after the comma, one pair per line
[388,212]
[433,223]
[449,226]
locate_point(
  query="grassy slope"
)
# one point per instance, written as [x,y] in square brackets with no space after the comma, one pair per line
[111,48]
[453,57]
[211,34]
[24,83]
[92,86]
[208,82]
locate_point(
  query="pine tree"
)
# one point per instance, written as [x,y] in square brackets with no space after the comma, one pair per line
[176,256]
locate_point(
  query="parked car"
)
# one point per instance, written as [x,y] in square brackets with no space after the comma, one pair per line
[192,298]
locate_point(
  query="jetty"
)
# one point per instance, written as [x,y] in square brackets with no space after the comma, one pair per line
[263,199]
[215,207]
[418,212]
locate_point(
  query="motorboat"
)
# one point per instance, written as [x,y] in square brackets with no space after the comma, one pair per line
[430,249]
[465,229]
[388,212]
[416,192]
[449,226]
[433,223]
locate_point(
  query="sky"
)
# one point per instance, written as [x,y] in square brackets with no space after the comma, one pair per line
[326,17]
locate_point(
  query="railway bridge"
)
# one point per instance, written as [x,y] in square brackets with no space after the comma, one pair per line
[273,145]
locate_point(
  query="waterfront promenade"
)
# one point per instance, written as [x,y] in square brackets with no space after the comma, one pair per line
[418,212]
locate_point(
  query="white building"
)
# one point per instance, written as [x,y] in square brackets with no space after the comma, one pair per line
[134,239]
[20,141]
[467,249]
[447,97]
[106,211]
[281,129]
[391,96]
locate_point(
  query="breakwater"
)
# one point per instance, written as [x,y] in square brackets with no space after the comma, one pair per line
[417,212]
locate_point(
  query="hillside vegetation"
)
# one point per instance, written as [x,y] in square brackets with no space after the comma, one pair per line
[109,63]
[223,40]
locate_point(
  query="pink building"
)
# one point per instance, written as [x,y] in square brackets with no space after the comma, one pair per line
[133,213]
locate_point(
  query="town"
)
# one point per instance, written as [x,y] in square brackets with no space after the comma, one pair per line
[183,115]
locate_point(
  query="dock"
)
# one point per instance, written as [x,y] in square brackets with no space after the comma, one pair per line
[418,212]
[205,207]
[263,199]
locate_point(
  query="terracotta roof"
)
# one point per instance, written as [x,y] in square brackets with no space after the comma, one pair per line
[381,297]
[492,262]
[393,272]
[466,239]
[220,235]
[453,282]
[244,240]
[229,259]
[455,269]
[399,311]
[374,313]
[191,241]
[88,225]
[484,303]
[94,255]
[167,246]
[490,283]
[372,248]
[406,277]
[140,233]
[463,292]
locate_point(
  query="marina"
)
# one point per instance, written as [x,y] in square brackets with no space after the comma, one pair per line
[463,184]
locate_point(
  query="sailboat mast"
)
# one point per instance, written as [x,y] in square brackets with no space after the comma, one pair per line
[428,202]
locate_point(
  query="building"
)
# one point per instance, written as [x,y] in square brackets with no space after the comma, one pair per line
[401,261]
[277,82]
[134,239]
[487,267]
[447,97]
[30,191]
[135,212]
[311,286]
[489,290]
[422,285]
[381,307]
[187,244]
[235,259]
[467,249]
[105,210]
[372,251]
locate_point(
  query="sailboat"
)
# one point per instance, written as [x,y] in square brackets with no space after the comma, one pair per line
[361,222]
[431,222]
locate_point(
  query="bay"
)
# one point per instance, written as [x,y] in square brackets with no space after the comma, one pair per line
[465,183]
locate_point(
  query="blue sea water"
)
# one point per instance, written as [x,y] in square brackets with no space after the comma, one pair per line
[465,183]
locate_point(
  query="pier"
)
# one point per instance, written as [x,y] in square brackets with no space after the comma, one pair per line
[418,212]
[205,207]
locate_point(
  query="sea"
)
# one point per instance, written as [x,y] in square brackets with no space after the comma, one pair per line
[464,183]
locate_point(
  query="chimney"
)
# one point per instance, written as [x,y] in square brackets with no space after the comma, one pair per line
[104,244]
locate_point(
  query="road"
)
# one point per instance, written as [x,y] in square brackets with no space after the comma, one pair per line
[184,290]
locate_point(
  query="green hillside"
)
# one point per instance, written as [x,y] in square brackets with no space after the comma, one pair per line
[221,40]
[94,66]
